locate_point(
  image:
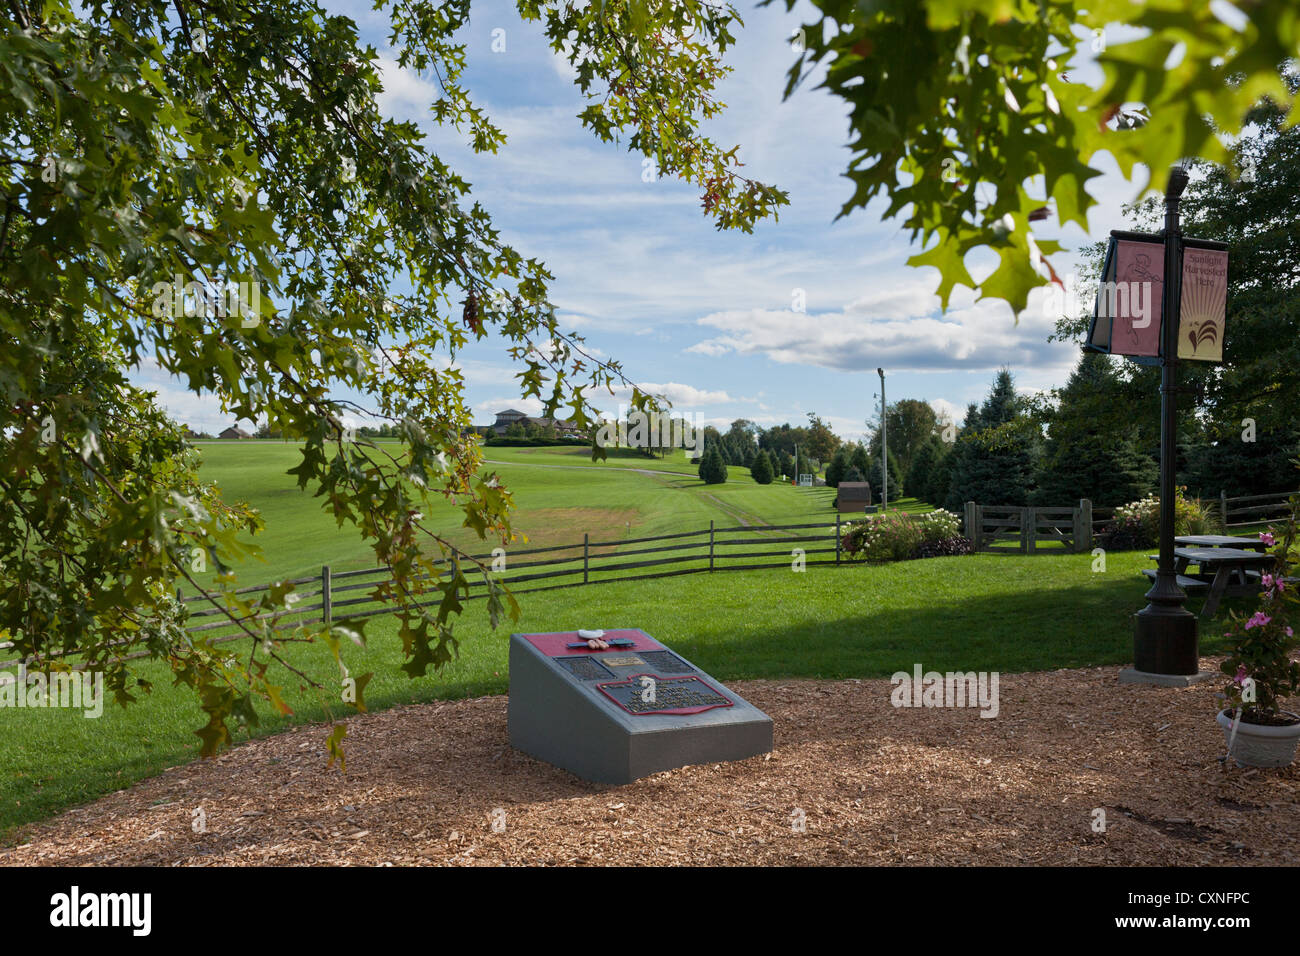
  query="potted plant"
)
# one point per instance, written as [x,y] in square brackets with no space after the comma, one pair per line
[1259,733]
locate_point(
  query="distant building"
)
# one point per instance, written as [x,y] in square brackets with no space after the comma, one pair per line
[853,497]
[233,432]
[512,416]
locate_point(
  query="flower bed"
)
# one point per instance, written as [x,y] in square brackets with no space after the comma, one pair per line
[898,536]
[1136,525]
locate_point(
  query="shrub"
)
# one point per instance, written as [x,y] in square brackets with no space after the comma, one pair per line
[945,547]
[1126,534]
[1263,673]
[761,469]
[898,536]
[1140,520]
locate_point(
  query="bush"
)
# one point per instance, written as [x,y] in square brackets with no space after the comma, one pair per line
[712,468]
[1263,643]
[898,536]
[1139,521]
[761,469]
[1126,534]
[945,547]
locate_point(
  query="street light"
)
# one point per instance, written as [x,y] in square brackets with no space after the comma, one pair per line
[1165,639]
[884,447]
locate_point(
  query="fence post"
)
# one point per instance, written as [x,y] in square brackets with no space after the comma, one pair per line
[326,606]
[1223,509]
[837,538]
[710,545]
[1028,530]
[585,539]
[972,531]
[1083,528]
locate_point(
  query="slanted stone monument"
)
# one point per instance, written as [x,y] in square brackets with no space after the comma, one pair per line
[634,708]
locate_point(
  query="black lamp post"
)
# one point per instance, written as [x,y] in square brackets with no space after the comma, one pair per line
[1165,639]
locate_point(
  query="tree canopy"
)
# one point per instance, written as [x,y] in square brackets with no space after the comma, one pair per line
[977,104]
[211,188]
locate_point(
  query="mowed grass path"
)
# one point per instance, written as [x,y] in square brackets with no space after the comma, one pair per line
[986,612]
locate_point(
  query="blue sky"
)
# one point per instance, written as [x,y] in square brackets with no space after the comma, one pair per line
[701,316]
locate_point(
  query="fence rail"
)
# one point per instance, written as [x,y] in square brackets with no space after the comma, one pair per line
[335,596]
[1253,510]
[991,529]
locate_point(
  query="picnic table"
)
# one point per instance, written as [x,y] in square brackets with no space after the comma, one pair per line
[1220,541]
[1226,570]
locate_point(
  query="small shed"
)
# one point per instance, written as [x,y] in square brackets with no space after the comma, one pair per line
[234,432]
[853,497]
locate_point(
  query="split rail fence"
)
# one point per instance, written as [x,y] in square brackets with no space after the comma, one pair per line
[334,596]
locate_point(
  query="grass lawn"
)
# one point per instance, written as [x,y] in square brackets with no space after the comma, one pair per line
[559,493]
[986,612]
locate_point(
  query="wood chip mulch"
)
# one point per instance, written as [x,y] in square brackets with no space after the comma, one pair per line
[434,784]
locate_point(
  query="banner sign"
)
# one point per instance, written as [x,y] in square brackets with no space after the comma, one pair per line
[1203,307]
[1126,317]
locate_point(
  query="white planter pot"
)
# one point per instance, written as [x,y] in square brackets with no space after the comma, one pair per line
[1258,745]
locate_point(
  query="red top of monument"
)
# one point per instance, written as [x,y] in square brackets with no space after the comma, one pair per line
[556,643]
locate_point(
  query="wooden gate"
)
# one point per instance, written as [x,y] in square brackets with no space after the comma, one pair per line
[1012,529]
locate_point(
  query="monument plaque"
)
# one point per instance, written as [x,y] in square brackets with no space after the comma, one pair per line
[624,712]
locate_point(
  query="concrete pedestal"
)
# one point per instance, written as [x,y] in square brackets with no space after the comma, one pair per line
[1131,675]
[615,715]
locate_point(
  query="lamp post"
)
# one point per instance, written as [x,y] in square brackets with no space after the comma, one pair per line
[884,447]
[1165,640]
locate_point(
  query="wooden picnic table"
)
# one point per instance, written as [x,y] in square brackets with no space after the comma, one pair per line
[1229,567]
[1220,541]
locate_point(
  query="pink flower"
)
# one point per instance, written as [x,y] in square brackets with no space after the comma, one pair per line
[1258,619]
[1288,632]
[1241,675]
[1266,537]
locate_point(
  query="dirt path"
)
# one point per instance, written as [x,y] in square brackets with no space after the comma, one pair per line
[876,785]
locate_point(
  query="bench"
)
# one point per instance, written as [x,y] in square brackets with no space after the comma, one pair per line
[1186,582]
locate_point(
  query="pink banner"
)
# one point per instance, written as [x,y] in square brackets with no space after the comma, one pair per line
[1131,294]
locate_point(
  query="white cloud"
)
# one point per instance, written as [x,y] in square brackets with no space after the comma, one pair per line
[891,329]
[680,394]
[406,94]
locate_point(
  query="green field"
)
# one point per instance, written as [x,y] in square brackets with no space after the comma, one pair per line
[559,494]
[985,612]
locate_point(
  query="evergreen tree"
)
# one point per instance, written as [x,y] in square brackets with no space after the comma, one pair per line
[839,464]
[860,459]
[895,487]
[712,468]
[761,470]
[927,457]
[1086,455]
[994,457]
[940,480]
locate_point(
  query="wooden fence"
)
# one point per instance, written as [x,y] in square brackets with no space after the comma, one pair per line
[1009,529]
[334,596]
[1249,511]
[1017,530]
